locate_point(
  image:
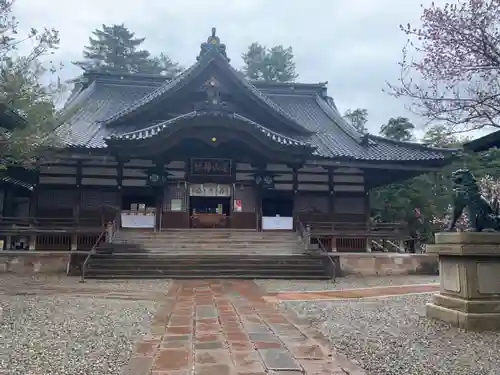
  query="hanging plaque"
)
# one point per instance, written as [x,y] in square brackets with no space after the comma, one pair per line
[209,190]
[211,167]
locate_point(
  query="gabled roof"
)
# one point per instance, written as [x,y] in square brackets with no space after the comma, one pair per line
[173,86]
[9,118]
[106,99]
[484,143]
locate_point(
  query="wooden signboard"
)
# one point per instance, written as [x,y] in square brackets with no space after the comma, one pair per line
[211,167]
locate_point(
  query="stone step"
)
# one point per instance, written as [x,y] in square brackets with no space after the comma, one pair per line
[207,239]
[221,268]
[249,276]
[211,239]
[211,244]
[201,249]
[201,256]
[214,234]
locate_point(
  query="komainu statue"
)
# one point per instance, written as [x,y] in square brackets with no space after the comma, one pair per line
[483,215]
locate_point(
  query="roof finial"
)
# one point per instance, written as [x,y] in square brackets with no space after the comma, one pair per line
[213,44]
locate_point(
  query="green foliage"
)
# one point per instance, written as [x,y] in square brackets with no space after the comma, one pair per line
[162,64]
[114,48]
[357,118]
[24,89]
[269,64]
[399,129]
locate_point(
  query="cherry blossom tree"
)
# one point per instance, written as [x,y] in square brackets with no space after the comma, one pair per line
[451,65]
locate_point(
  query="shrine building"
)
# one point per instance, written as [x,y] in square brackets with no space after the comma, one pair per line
[211,149]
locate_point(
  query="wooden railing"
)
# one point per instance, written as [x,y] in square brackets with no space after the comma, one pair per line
[341,236]
[39,223]
[44,233]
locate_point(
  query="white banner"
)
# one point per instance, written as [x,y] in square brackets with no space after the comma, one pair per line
[209,190]
[277,223]
[138,221]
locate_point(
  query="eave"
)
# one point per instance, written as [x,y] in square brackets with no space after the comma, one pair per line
[484,143]
[175,123]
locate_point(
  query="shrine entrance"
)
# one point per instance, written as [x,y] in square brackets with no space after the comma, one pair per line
[210,205]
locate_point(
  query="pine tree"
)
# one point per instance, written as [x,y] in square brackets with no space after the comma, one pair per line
[114,48]
[399,129]
[275,64]
[163,65]
[358,119]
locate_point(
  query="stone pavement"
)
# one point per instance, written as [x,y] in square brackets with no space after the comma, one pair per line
[225,327]
[373,292]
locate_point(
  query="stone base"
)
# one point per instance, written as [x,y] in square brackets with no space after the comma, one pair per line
[469,265]
[464,320]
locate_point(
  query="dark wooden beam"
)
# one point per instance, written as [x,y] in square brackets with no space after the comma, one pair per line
[423,167]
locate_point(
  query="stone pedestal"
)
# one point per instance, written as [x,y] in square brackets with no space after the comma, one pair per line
[469,268]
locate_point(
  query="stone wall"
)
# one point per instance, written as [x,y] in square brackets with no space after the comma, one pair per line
[31,262]
[384,264]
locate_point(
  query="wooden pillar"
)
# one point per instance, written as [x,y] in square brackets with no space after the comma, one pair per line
[77,204]
[258,206]
[295,191]
[34,207]
[119,180]
[331,198]
[331,208]
[8,208]
[368,221]
[34,194]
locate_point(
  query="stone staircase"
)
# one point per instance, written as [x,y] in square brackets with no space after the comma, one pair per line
[205,254]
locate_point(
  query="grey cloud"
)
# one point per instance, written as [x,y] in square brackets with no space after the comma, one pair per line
[353,44]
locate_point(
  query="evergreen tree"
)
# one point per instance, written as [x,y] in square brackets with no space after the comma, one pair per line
[114,48]
[26,90]
[399,129]
[162,64]
[275,64]
[357,118]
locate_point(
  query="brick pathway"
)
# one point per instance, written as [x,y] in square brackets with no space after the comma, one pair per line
[214,327]
[382,291]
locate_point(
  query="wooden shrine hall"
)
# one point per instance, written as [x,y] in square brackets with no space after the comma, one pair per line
[211,149]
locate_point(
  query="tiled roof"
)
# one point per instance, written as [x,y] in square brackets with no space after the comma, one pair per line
[15,181]
[10,118]
[484,143]
[169,88]
[164,126]
[110,96]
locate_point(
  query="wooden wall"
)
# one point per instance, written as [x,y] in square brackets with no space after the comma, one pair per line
[338,193]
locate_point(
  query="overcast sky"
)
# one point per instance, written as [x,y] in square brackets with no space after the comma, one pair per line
[355,45]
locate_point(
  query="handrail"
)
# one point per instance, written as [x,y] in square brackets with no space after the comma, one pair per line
[92,251]
[108,233]
[306,236]
[398,248]
[377,244]
[323,250]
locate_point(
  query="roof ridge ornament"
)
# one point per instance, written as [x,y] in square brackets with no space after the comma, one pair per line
[213,44]
[213,101]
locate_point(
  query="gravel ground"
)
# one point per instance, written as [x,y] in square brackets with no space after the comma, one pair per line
[392,336]
[58,335]
[272,286]
[73,282]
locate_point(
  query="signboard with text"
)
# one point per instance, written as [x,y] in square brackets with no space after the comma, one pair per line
[211,167]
